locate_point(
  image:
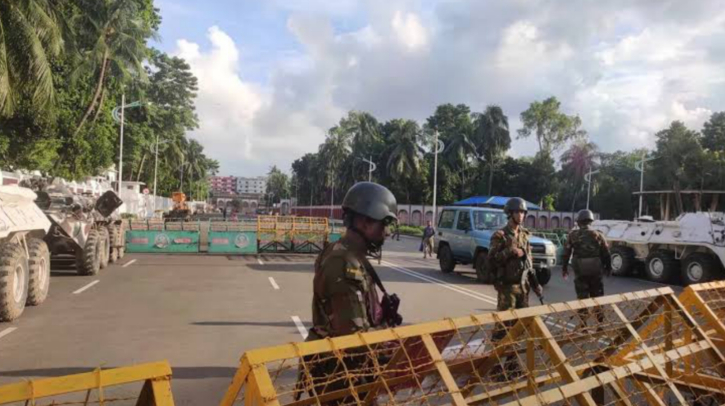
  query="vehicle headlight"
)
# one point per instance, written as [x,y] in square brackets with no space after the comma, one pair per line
[550,249]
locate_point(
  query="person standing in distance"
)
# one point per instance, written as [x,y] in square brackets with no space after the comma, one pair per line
[591,260]
[509,248]
[344,299]
[427,242]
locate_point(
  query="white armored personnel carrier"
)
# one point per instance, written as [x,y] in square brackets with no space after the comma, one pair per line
[692,247]
[24,256]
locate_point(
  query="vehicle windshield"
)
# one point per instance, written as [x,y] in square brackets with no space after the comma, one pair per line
[486,220]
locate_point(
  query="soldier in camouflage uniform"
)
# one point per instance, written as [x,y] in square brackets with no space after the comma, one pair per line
[509,247]
[345,299]
[591,260]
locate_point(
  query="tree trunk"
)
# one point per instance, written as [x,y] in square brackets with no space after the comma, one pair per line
[100,105]
[96,95]
[490,179]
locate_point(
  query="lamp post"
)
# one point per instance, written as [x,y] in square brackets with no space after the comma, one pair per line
[371,167]
[439,147]
[640,167]
[120,119]
[588,178]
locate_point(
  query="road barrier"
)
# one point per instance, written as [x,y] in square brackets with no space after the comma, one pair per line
[643,348]
[639,348]
[233,237]
[291,234]
[158,236]
[102,387]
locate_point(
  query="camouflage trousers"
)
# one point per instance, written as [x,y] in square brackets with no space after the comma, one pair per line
[589,287]
[511,297]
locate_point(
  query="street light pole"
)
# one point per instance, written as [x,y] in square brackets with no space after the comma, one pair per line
[156,170]
[120,155]
[438,149]
[640,167]
[588,178]
[371,167]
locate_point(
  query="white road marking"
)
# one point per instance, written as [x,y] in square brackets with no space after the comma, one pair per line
[300,327]
[274,284]
[81,290]
[128,263]
[450,286]
[7,331]
[260,261]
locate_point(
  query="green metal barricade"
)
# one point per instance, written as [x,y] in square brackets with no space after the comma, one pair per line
[233,237]
[155,236]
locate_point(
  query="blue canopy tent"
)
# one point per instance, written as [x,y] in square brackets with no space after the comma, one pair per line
[497,202]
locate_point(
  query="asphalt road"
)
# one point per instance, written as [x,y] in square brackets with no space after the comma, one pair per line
[202,312]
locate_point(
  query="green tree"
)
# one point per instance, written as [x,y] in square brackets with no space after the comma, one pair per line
[29,37]
[456,129]
[404,158]
[680,159]
[278,184]
[713,132]
[333,153]
[492,130]
[551,127]
[112,39]
[575,163]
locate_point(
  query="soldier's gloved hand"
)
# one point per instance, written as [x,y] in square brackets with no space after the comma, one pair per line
[565,272]
[538,290]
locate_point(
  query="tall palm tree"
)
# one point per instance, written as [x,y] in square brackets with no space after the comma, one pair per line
[29,34]
[492,131]
[117,45]
[404,155]
[333,153]
[578,160]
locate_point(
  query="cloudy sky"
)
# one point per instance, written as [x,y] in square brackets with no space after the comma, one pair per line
[274,75]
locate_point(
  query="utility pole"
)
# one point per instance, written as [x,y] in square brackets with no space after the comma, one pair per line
[371,167]
[120,150]
[588,178]
[439,147]
[640,167]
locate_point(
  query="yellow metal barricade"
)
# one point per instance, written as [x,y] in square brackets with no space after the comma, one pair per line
[291,234]
[634,352]
[142,385]
[706,303]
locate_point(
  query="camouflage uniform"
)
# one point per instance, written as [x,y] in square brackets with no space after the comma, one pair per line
[345,300]
[587,244]
[505,266]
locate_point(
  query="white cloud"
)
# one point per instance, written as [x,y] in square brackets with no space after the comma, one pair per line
[410,30]
[627,68]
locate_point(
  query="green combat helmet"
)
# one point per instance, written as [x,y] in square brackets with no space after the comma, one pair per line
[515,204]
[371,200]
[584,216]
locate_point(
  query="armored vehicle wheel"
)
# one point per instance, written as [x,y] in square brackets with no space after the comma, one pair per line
[482,274]
[661,266]
[445,259]
[113,235]
[38,272]
[13,281]
[543,275]
[698,267]
[89,259]
[105,247]
[622,260]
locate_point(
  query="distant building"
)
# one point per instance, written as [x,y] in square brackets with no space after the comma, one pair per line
[256,185]
[223,184]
